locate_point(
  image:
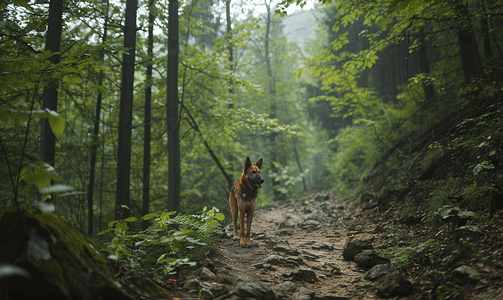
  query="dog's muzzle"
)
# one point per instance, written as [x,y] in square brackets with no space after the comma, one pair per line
[257,181]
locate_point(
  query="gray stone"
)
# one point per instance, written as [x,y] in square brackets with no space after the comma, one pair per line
[280,260]
[322,246]
[379,270]
[219,290]
[310,224]
[369,258]
[466,274]
[394,285]
[255,291]
[206,274]
[304,294]
[286,249]
[285,290]
[472,233]
[303,274]
[352,248]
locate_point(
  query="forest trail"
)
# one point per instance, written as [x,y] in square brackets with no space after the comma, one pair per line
[293,240]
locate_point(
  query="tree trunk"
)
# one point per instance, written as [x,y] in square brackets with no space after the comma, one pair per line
[272,92]
[126,110]
[148,111]
[424,67]
[50,94]
[466,47]
[94,146]
[229,43]
[173,126]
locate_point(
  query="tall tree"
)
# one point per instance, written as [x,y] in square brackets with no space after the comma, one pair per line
[94,146]
[126,107]
[50,96]
[229,43]
[148,113]
[173,125]
[272,92]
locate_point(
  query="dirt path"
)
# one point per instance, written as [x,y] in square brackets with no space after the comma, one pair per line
[291,241]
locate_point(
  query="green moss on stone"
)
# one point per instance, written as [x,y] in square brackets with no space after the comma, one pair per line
[71,262]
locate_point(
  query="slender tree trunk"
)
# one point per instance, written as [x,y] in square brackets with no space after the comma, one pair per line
[229,43]
[50,94]
[96,129]
[466,47]
[298,163]
[122,196]
[148,111]
[272,92]
[173,126]
[424,67]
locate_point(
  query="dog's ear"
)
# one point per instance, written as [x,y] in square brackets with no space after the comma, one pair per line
[247,164]
[259,163]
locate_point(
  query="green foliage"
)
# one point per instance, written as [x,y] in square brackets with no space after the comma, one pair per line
[169,241]
[407,257]
[287,179]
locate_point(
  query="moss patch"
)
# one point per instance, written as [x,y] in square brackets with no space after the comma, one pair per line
[62,255]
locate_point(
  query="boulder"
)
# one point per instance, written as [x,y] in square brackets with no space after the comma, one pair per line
[394,285]
[369,258]
[466,274]
[57,261]
[379,270]
[352,248]
[472,233]
[254,291]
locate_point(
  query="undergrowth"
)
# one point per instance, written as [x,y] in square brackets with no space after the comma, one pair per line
[168,245]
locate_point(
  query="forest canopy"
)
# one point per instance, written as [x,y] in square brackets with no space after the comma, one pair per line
[91,102]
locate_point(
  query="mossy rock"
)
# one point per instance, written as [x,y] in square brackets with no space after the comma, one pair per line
[60,262]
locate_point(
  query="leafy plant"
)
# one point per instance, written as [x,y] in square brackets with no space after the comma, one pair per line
[169,244]
[485,165]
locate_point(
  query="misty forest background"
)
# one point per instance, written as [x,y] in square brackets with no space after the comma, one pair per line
[87,87]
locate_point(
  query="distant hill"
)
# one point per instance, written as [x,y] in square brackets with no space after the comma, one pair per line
[299,26]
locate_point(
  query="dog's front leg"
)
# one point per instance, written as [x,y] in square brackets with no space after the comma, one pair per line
[234,213]
[249,219]
[242,213]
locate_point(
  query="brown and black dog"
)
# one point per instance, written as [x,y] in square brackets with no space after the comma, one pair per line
[243,199]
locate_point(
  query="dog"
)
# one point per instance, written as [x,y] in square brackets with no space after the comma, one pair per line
[243,199]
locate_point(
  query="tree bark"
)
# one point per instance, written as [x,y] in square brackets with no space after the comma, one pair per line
[424,67]
[466,47]
[126,110]
[94,146]
[173,126]
[229,44]
[148,112]
[50,94]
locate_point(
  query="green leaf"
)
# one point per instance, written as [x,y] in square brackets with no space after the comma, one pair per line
[8,270]
[21,3]
[56,121]
[112,223]
[57,188]
[220,216]
[130,219]
[38,173]
[57,124]
[164,259]
[149,216]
